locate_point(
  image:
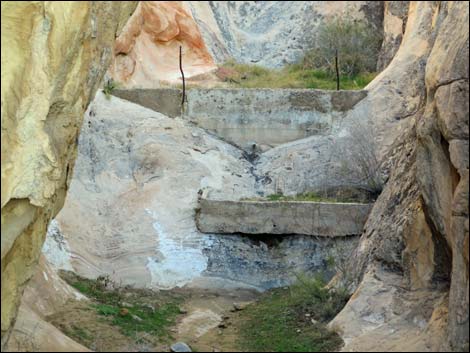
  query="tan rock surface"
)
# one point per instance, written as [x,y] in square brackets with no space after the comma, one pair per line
[147,51]
[418,230]
[394,23]
[53,57]
[44,295]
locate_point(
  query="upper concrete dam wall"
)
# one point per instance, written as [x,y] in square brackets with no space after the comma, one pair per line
[253,119]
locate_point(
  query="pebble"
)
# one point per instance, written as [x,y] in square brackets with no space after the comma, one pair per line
[136,318]
[238,307]
[180,347]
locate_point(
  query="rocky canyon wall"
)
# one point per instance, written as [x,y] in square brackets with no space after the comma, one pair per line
[394,24]
[54,55]
[267,33]
[272,33]
[147,51]
[411,266]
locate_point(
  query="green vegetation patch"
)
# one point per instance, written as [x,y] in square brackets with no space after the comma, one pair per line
[291,76]
[293,319]
[109,87]
[134,311]
[313,197]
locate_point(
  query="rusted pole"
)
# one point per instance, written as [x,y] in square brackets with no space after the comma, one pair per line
[336,68]
[182,76]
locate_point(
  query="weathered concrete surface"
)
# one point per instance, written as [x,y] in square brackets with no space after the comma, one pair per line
[248,117]
[268,117]
[284,217]
[163,100]
[54,55]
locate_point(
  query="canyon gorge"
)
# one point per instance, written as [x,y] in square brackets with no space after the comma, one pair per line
[111,171]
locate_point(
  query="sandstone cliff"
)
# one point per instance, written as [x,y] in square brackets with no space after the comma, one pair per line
[410,271]
[54,55]
[147,51]
[411,266]
[394,23]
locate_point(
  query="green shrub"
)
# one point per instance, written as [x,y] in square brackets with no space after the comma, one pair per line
[357,45]
[109,86]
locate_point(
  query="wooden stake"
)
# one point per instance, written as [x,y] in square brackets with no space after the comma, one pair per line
[337,71]
[182,76]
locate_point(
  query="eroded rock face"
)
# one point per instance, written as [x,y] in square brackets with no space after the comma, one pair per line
[272,33]
[130,210]
[414,250]
[44,295]
[147,51]
[443,137]
[394,23]
[54,55]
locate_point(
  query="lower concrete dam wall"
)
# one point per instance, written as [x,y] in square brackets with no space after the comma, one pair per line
[253,118]
[285,217]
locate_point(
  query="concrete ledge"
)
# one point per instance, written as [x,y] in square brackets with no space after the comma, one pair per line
[285,217]
[163,100]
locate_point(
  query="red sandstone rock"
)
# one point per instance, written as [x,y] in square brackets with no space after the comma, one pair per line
[147,50]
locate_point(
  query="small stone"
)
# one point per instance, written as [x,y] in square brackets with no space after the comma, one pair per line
[126,305]
[239,306]
[307,315]
[180,347]
[298,330]
[149,306]
[314,321]
[183,311]
[136,318]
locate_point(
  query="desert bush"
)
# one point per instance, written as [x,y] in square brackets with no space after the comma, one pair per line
[357,164]
[357,45]
[109,86]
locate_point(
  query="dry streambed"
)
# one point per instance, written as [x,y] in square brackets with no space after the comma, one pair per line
[127,319]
